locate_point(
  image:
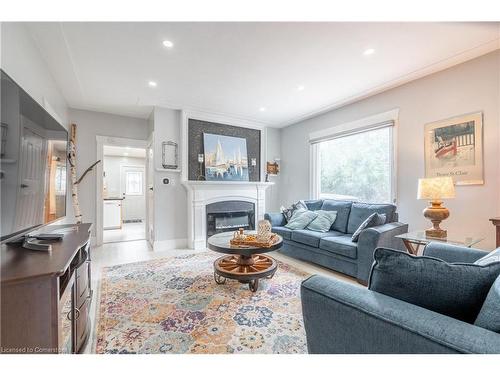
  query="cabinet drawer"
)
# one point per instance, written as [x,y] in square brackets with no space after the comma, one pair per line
[82,324]
[66,318]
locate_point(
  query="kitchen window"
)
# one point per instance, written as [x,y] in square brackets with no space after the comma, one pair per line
[133,183]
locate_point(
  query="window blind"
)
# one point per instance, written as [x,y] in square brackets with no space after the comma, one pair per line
[347,132]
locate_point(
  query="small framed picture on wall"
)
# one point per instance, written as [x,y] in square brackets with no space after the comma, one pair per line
[454,147]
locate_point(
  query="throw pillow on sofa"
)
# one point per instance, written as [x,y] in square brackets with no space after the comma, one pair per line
[494,256]
[301,219]
[288,212]
[489,315]
[372,221]
[454,289]
[323,221]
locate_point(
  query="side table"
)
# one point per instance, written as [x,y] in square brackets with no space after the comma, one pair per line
[416,241]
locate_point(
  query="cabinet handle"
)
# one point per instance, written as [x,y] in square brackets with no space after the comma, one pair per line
[77,314]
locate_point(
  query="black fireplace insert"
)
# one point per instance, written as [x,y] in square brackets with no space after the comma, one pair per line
[229,216]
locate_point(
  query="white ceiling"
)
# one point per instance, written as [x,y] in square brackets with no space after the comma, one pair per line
[124,151]
[236,68]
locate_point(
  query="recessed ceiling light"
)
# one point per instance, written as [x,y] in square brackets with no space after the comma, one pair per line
[262,109]
[168,44]
[300,87]
[152,84]
[369,51]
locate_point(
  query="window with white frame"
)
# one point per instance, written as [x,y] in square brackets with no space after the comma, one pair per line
[133,183]
[357,164]
[60,179]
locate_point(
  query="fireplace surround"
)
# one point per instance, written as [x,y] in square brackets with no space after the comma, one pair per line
[201,194]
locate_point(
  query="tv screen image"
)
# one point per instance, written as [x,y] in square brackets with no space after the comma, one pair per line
[33,176]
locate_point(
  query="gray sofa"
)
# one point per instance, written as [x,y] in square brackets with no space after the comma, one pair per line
[334,249]
[345,318]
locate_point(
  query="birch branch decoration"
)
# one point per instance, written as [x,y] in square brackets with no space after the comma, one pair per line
[74,180]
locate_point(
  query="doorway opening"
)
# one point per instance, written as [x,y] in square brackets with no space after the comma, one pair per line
[123,194]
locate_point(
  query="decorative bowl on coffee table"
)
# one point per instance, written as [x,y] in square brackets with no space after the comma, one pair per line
[244,263]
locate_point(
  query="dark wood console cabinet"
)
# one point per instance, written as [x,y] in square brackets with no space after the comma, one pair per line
[46,296]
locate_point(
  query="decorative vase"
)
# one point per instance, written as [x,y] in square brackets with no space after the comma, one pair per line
[239,235]
[264,230]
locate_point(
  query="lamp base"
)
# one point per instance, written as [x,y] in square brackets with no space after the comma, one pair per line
[436,213]
[436,233]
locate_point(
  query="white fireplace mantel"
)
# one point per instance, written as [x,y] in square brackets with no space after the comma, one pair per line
[223,184]
[201,193]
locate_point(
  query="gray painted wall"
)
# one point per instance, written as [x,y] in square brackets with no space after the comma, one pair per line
[468,87]
[273,151]
[89,125]
[170,210]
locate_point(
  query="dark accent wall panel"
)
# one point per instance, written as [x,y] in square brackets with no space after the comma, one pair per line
[196,128]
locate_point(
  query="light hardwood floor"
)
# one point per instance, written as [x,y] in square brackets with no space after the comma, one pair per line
[110,254]
[128,232]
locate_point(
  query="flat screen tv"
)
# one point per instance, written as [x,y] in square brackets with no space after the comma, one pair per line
[33,163]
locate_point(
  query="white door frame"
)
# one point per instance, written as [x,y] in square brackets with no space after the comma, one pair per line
[149,173]
[101,142]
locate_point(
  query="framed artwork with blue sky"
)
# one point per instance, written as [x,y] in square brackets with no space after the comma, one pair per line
[226,158]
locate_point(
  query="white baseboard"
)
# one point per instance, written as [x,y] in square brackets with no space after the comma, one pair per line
[176,243]
[199,244]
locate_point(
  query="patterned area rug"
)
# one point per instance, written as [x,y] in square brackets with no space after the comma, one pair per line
[173,305]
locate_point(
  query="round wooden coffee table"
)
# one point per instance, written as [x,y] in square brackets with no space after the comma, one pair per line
[245,264]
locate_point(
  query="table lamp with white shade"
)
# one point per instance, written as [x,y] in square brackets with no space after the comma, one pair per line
[434,190]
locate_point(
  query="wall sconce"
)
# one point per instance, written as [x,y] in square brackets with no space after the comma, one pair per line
[252,165]
[272,168]
[201,159]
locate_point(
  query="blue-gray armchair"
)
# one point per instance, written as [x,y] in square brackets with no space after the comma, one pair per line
[341,317]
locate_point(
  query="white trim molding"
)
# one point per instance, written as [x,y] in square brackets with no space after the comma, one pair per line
[438,66]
